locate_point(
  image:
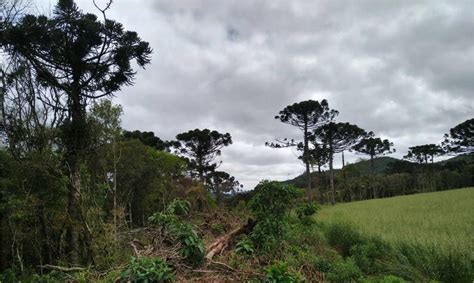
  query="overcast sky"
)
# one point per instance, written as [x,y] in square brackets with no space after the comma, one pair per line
[403,69]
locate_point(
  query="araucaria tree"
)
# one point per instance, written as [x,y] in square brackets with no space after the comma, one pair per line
[374,147]
[306,116]
[85,58]
[200,148]
[220,183]
[424,153]
[338,137]
[460,138]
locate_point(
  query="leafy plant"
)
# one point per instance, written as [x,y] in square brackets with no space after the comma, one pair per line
[306,211]
[217,228]
[270,205]
[279,273]
[147,269]
[344,271]
[178,207]
[192,245]
[245,246]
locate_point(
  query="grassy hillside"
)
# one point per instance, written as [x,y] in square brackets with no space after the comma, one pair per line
[444,219]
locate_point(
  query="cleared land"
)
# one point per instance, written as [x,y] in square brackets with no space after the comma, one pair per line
[444,219]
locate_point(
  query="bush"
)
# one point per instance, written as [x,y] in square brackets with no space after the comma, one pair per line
[270,205]
[368,255]
[344,271]
[192,245]
[178,207]
[147,269]
[217,229]
[343,236]
[279,273]
[245,247]
[306,211]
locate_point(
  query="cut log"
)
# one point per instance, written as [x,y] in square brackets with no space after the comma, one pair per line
[223,242]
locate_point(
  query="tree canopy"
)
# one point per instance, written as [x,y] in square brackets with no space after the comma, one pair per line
[460,138]
[424,153]
[374,147]
[201,148]
[306,115]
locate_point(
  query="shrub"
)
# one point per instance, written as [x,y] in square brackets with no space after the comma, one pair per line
[279,273]
[178,207]
[192,245]
[245,247]
[344,271]
[217,228]
[368,255]
[343,236]
[306,211]
[147,269]
[270,205]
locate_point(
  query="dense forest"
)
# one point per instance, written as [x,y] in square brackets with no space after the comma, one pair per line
[82,199]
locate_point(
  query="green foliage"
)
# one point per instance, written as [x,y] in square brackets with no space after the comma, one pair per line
[343,236]
[279,273]
[306,211]
[344,271]
[270,205]
[147,269]
[368,255]
[217,228]
[178,207]
[192,245]
[245,247]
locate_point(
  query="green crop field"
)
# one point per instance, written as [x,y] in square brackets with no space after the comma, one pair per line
[444,219]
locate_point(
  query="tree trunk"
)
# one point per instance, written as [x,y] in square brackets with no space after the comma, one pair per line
[75,144]
[331,179]
[320,185]
[73,213]
[306,161]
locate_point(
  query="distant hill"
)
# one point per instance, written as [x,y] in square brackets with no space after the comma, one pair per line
[363,167]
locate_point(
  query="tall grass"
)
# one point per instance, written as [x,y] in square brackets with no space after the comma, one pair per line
[442,219]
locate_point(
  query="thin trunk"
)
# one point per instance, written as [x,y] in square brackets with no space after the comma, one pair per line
[306,161]
[320,185]
[331,179]
[115,190]
[374,190]
[218,196]
[130,214]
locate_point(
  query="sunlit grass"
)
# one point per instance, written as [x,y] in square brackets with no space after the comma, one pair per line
[444,219]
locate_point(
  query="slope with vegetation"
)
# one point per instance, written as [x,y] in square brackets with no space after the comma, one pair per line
[83,200]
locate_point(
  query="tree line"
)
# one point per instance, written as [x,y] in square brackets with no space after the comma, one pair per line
[323,137]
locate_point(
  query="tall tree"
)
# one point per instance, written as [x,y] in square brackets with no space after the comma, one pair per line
[305,115]
[460,138]
[220,183]
[338,137]
[200,148]
[85,58]
[374,147]
[424,153]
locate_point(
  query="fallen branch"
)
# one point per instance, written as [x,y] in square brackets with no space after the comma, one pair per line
[223,242]
[62,268]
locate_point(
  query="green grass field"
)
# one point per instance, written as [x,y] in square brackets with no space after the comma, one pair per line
[444,219]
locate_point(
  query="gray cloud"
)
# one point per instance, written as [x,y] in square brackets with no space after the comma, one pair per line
[403,69]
